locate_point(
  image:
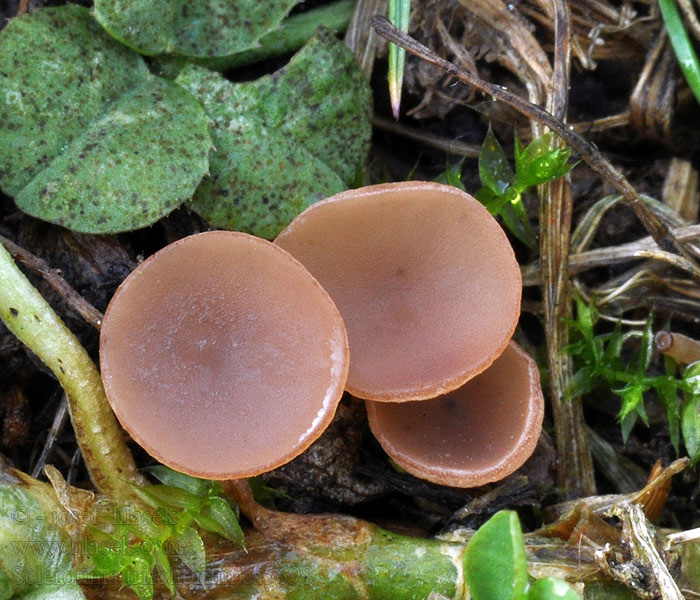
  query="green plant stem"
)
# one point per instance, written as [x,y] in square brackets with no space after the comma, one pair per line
[289,37]
[682,46]
[298,557]
[29,317]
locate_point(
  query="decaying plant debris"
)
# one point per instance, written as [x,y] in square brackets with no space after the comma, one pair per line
[601,69]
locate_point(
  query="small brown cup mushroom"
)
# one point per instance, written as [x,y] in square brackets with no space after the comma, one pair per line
[424,277]
[681,348]
[477,434]
[222,356]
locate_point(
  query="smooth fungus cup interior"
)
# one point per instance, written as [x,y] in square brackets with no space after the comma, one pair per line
[477,434]
[424,277]
[222,356]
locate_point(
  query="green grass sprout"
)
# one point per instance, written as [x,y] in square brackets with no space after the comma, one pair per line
[503,187]
[398,12]
[682,46]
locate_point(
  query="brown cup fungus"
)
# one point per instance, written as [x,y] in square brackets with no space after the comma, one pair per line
[681,348]
[222,356]
[476,434]
[424,277]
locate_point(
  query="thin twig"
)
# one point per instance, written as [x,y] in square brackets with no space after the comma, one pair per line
[447,145]
[81,306]
[59,422]
[602,257]
[588,152]
[691,18]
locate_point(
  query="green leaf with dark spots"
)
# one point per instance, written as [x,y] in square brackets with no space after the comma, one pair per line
[283,141]
[191,27]
[89,139]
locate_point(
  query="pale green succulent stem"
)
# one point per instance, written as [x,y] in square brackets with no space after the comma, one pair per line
[29,317]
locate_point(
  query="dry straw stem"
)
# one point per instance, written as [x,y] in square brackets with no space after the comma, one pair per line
[360,38]
[656,281]
[601,505]
[575,475]
[601,31]
[680,191]
[592,156]
[640,543]
[645,247]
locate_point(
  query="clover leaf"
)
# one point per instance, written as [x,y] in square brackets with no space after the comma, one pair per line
[283,141]
[89,139]
[191,27]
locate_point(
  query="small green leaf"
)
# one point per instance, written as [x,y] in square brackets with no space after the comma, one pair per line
[189,548]
[452,175]
[137,576]
[632,400]
[163,568]
[690,426]
[516,219]
[90,139]
[551,588]
[167,476]
[167,496]
[191,27]
[666,388]
[642,359]
[264,494]
[581,383]
[491,200]
[494,170]
[586,317]
[691,379]
[139,523]
[495,562]
[283,141]
[220,511]
[539,162]
[613,347]
[34,549]
[627,424]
